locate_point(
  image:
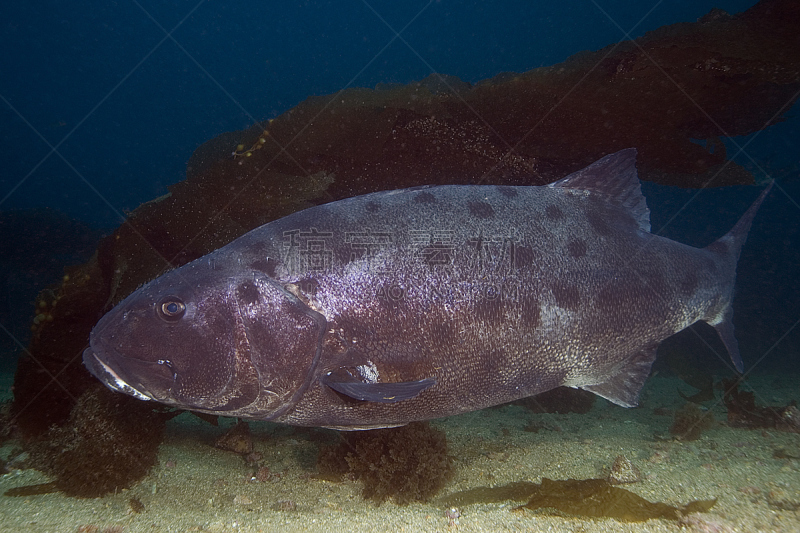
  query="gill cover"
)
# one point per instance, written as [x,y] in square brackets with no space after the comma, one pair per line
[278,343]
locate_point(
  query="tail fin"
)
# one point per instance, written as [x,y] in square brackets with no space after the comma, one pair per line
[728,247]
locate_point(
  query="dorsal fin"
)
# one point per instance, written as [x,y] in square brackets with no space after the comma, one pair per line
[614,177]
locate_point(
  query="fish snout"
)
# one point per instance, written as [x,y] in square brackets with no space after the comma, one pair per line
[141,379]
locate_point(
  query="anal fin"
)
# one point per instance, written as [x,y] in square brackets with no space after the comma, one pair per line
[623,387]
[724,329]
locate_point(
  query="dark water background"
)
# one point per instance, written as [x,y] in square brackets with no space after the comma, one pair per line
[102,103]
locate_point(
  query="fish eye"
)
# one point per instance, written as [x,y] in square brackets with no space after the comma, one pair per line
[171,309]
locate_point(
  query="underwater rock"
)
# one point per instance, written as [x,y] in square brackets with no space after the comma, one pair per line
[285,506]
[674,84]
[623,471]
[407,463]
[136,505]
[690,421]
[238,439]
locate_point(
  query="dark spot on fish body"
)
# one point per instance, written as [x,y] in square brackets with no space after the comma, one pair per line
[267,266]
[405,358]
[523,257]
[530,311]
[392,297]
[553,212]
[258,248]
[490,307]
[508,192]
[655,289]
[689,283]
[424,198]
[247,293]
[567,295]
[576,248]
[442,332]
[353,329]
[491,366]
[480,209]
[372,207]
[638,292]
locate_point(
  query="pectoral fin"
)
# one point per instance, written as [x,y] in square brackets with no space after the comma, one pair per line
[345,383]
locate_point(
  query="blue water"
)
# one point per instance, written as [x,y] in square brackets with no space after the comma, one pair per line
[102,104]
[126,91]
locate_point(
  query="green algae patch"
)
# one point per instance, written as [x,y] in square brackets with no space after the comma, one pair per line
[587,498]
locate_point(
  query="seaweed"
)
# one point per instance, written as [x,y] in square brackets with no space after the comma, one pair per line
[32,490]
[744,413]
[109,443]
[136,505]
[517,490]
[406,464]
[592,498]
[690,422]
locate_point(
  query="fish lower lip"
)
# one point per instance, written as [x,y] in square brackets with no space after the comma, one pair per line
[109,376]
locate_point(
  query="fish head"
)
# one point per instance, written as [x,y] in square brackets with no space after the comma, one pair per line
[209,338]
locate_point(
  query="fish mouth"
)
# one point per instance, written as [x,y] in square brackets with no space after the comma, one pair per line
[109,376]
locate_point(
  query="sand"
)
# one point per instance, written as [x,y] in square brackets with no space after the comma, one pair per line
[196,487]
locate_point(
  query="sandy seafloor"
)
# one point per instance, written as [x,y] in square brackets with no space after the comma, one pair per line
[196,487]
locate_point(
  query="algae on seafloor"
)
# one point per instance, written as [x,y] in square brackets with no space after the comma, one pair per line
[32,490]
[406,464]
[590,498]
